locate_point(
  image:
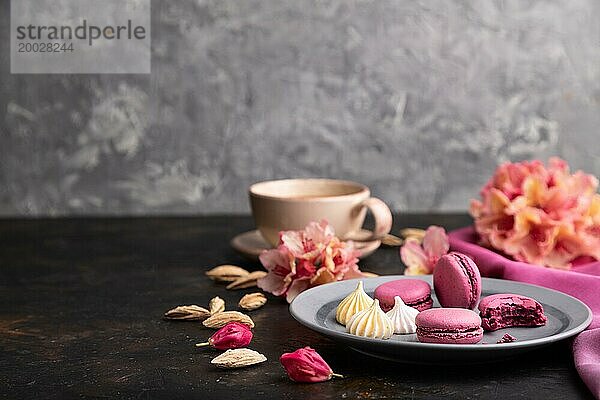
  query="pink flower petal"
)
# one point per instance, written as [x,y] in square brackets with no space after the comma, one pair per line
[346,256]
[293,240]
[320,232]
[416,270]
[414,257]
[305,268]
[281,268]
[353,273]
[435,243]
[327,259]
[271,259]
[297,287]
[476,208]
[272,283]
[322,276]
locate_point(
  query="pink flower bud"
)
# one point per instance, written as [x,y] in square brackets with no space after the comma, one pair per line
[306,365]
[232,336]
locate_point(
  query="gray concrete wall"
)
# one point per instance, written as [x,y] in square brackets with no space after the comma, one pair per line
[418,99]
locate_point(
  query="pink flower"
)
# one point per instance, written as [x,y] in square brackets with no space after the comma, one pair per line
[540,215]
[421,260]
[307,258]
[234,335]
[306,365]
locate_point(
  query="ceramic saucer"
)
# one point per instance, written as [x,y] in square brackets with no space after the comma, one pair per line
[251,244]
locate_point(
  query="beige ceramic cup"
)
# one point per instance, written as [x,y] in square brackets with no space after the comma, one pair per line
[290,204]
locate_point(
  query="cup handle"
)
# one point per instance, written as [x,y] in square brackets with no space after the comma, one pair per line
[383,219]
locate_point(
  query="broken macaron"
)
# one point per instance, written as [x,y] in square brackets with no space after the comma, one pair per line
[507,310]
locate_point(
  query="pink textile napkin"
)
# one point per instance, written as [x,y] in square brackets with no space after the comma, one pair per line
[581,281]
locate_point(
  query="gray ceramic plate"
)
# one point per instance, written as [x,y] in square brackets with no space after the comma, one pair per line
[567,316]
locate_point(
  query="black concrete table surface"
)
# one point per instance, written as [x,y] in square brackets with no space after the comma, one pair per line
[82,301]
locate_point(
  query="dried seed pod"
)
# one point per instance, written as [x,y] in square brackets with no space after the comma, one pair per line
[252,301]
[226,273]
[413,233]
[238,358]
[367,274]
[187,313]
[391,240]
[246,281]
[216,305]
[219,320]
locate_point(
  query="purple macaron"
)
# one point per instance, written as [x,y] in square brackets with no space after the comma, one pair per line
[505,310]
[413,292]
[449,326]
[457,281]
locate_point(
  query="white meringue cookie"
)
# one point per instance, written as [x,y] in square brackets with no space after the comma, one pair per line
[371,322]
[355,302]
[402,317]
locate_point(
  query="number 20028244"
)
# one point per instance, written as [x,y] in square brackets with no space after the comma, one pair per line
[29,47]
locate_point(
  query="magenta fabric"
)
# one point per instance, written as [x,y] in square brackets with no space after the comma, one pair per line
[581,281]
